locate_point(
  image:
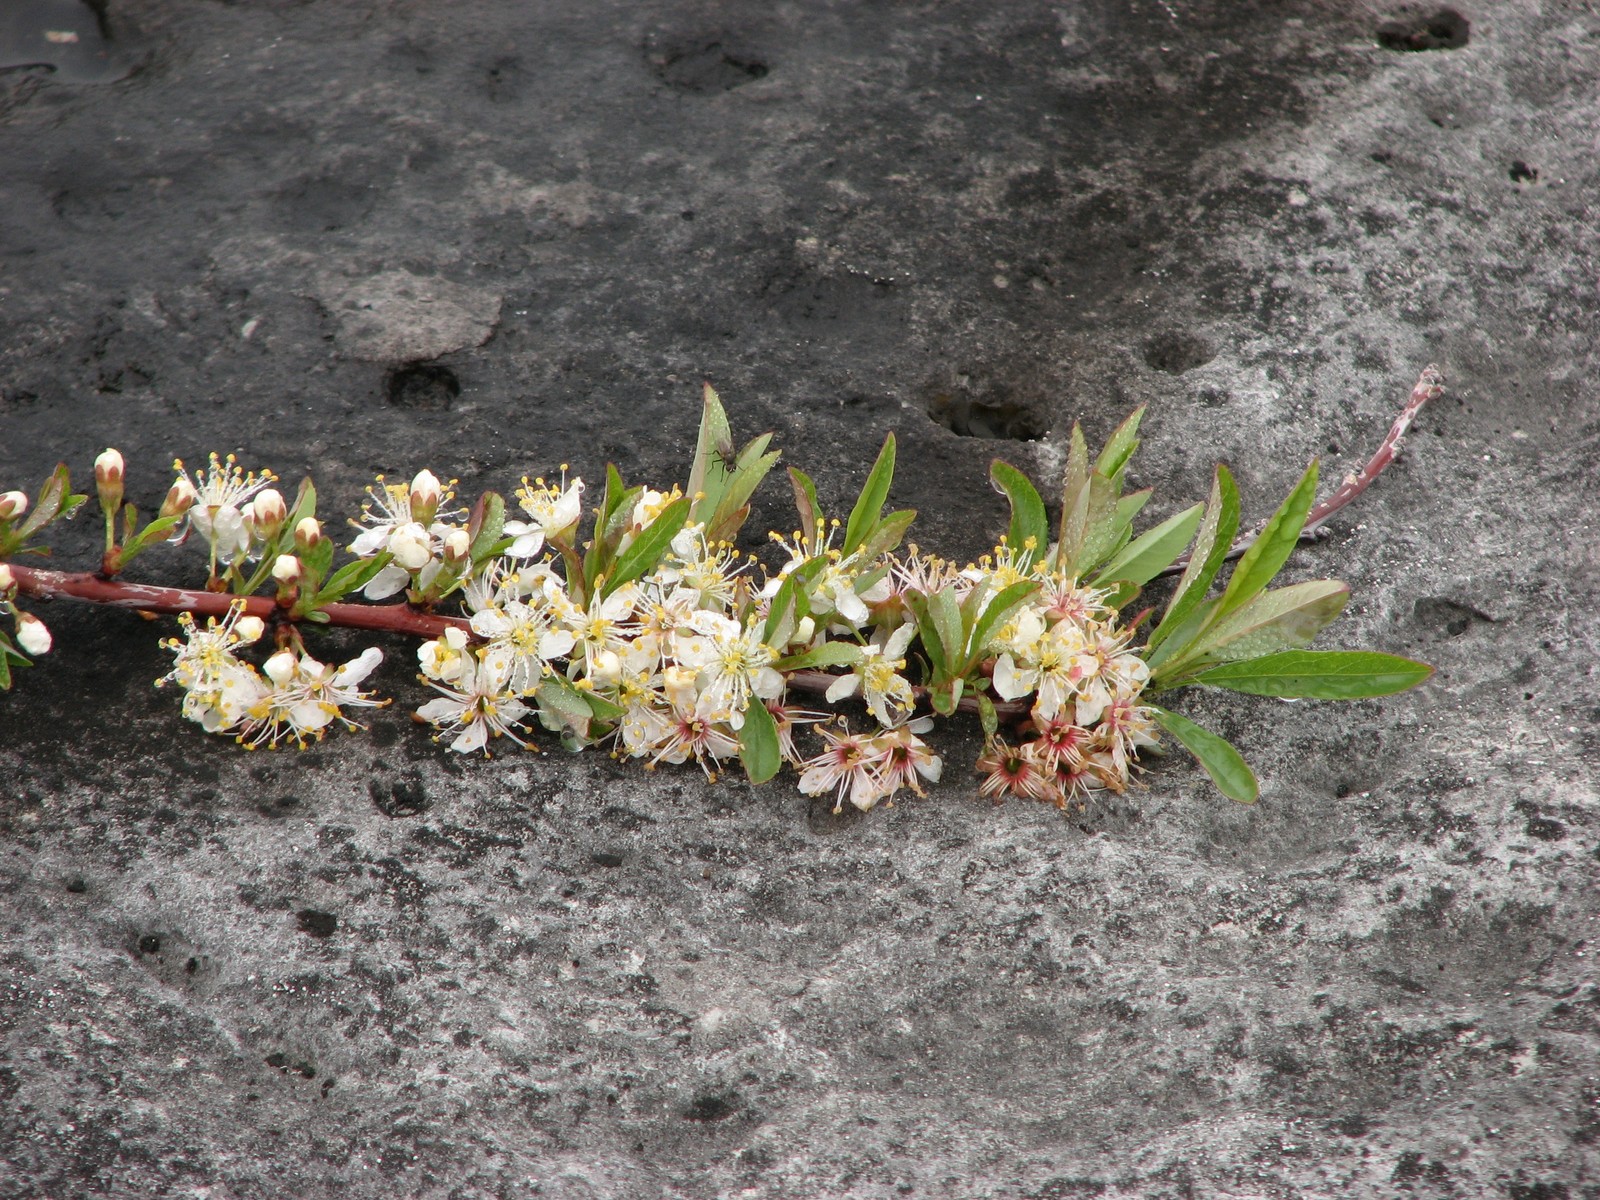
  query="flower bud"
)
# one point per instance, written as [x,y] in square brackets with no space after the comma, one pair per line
[457,545]
[108,475]
[180,498]
[307,534]
[32,635]
[411,547]
[280,667]
[268,512]
[286,569]
[7,579]
[13,504]
[249,629]
[425,496]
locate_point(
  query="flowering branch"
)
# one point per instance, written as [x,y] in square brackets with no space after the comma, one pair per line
[653,637]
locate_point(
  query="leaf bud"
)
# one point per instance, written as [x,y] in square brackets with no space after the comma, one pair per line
[307,534]
[280,667]
[268,512]
[7,579]
[425,497]
[108,475]
[180,498]
[286,569]
[13,504]
[32,635]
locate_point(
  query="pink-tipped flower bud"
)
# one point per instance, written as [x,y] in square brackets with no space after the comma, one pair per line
[7,580]
[32,635]
[180,498]
[307,534]
[425,497]
[13,504]
[268,512]
[109,471]
[248,629]
[286,569]
[457,546]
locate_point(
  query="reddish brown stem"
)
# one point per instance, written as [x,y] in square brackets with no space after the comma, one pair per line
[1430,386]
[50,585]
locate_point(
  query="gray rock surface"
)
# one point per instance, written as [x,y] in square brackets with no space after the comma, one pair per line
[372,970]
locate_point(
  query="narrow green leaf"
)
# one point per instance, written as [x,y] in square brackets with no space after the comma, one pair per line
[1074,501]
[152,532]
[1153,551]
[755,461]
[869,505]
[603,709]
[1120,447]
[562,706]
[1028,518]
[758,743]
[1222,762]
[928,630]
[783,614]
[1100,528]
[1211,546]
[1272,547]
[888,535]
[305,504]
[947,616]
[53,495]
[645,551]
[1280,619]
[1319,674]
[1129,506]
[1005,602]
[713,452]
[829,654]
[805,501]
[487,524]
[352,577]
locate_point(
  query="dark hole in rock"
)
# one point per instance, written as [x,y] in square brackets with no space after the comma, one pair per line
[280,806]
[1176,352]
[704,66]
[1521,172]
[401,798]
[708,1107]
[991,411]
[190,967]
[425,386]
[283,1064]
[1545,829]
[1444,30]
[606,858]
[77,886]
[1452,618]
[150,944]
[317,924]
[67,38]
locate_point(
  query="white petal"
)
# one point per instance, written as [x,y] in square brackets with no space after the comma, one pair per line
[472,738]
[841,687]
[358,668]
[386,583]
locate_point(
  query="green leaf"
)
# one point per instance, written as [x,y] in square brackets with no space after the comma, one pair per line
[305,505]
[713,453]
[1272,547]
[928,631]
[54,497]
[487,524]
[1319,675]
[1074,501]
[645,551]
[784,614]
[352,577]
[563,707]
[755,461]
[1028,518]
[805,500]
[887,536]
[603,709]
[1222,762]
[1211,546]
[1129,506]
[869,505]
[829,654]
[1120,447]
[1281,619]
[1100,528]
[1005,602]
[758,743]
[947,617]
[152,532]
[1153,551]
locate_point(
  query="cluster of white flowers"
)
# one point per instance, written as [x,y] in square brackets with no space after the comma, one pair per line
[292,698]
